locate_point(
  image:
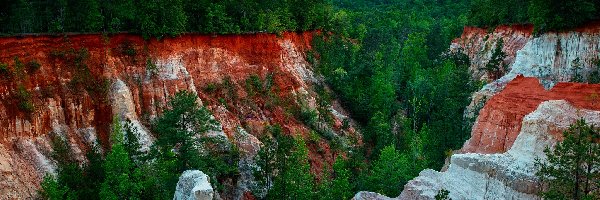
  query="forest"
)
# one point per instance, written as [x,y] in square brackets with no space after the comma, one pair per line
[385,60]
[162,17]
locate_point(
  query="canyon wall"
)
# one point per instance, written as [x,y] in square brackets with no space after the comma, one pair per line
[517,115]
[73,86]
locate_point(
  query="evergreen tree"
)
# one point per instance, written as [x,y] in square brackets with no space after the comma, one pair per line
[70,173]
[496,65]
[84,16]
[179,126]
[572,169]
[122,179]
[336,186]
[266,160]
[131,143]
[389,173]
[294,180]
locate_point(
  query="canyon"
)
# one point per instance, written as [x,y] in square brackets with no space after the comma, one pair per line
[518,115]
[73,86]
[83,82]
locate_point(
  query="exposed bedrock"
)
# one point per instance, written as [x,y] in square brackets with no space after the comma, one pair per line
[129,78]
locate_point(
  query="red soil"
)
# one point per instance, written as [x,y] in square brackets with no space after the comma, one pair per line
[107,60]
[499,121]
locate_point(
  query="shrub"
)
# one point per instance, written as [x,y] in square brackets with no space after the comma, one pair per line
[151,68]
[25,103]
[5,71]
[127,48]
[19,68]
[33,66]
[254,85]
[211,87]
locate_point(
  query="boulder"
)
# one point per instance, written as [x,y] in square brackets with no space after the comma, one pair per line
[370,196]
[194,185]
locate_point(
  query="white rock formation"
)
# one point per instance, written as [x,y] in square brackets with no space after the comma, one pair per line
[124,107]
[549,57]
[510,175]
[193,185]
[370,196]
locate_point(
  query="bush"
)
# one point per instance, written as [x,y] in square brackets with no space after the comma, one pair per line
[33,66]
[24,98]
[127,48]
[5,71]
[211,87]
[19,68]
[151,68]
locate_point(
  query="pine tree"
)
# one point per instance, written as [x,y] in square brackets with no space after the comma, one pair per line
[336,186]
[572,169]
[294,180]
[390,172]
[496,65]
[179,127]
[122,180]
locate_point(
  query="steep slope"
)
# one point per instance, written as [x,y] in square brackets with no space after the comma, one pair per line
[512,128]
[519,114]
[83,81]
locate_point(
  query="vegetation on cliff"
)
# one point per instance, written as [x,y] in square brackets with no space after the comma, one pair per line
[127,173]
[572,169]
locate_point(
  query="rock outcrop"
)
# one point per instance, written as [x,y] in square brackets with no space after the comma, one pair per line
[514,126]
[518,115]
[478,44]
[499,122]
[551,57]
[84,81]
[509,175]
[194,185]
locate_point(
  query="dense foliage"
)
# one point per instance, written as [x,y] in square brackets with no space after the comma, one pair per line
[572,168]
[118,174]
[546,15]
[386,61]
[162,17]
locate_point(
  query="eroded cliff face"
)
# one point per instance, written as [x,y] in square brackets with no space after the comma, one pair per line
[499,122]
[517,115]
[522,112]
[551,57]
[85,80]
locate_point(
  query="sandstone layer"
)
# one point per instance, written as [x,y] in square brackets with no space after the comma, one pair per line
[551,57]
[509,175]
[517,115]
[499,122]
[84,81]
